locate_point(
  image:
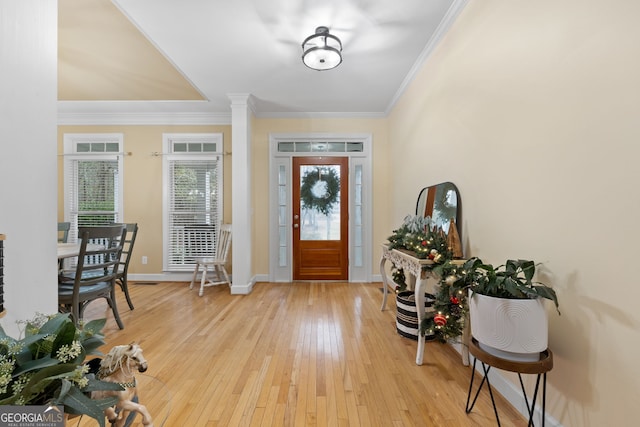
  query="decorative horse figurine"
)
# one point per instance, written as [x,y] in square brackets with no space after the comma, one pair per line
[118,367]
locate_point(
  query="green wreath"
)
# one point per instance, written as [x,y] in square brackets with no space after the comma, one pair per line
[319,189]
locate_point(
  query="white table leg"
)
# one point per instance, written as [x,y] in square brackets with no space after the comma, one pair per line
[419,296]
[383,273]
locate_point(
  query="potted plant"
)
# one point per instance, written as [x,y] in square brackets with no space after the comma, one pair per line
[47,366]
[506,309]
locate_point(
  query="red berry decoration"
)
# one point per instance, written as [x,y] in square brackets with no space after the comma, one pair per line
[439,319]
[423,243]
[454,300]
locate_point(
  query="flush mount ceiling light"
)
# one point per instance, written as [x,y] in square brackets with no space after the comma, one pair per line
[322,51]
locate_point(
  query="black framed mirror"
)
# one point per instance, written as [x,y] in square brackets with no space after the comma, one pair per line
[441,202]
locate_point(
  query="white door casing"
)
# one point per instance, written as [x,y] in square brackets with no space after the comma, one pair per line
[357,147]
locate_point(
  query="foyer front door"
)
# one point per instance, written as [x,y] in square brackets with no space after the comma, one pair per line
[320,218]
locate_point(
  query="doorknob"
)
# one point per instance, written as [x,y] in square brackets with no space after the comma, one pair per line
[296,217]
[295,226]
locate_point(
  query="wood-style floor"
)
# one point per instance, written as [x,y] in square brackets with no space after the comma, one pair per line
[301,354]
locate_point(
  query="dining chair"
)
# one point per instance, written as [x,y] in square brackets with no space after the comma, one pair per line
[63,231]
[93,279]
[123,268]
[63,237]
[216,261]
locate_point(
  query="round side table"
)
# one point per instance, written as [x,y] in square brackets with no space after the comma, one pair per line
[539,368]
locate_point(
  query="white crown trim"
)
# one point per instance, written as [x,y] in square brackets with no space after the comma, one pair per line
[447,21]
[139,113]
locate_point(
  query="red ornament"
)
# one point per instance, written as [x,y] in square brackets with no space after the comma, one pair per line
[454,300]
[423,243]
[431,256]
[439,319]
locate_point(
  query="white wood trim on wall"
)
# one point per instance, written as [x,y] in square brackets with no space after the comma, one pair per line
[283,273]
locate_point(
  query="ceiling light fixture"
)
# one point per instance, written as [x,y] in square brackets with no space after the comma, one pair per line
[322,51]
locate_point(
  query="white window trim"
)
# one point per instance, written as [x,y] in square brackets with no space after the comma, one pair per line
[70,142]
[167,140]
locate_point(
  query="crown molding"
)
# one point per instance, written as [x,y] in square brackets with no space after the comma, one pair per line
[76,113]
[140,113]
[445,24]
[322,115]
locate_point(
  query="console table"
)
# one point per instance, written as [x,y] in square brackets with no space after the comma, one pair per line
[415,267]
[539,368]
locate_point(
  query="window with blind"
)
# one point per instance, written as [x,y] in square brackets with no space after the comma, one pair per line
[93,180]
[193,197]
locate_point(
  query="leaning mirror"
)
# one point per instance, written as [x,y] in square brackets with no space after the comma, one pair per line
[441,202]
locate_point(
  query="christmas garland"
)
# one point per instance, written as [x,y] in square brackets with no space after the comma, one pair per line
[450,306]
[319,189]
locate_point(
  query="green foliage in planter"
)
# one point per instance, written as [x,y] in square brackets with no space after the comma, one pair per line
[46,366]
[514,279]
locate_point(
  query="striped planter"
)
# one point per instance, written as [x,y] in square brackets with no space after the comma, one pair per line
[407,322]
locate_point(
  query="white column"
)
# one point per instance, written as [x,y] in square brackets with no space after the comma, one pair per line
[28,158]
[242,210]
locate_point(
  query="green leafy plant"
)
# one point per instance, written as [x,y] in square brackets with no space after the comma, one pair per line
[514,279]
[47,366]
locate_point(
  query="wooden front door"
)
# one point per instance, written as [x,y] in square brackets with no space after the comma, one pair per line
[320,218]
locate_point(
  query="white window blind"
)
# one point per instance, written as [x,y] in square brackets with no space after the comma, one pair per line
[93,180]
[193,177]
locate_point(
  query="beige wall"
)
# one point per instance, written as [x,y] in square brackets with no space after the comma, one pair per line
[143,183]
[531,108]
[262,128]
[143,179]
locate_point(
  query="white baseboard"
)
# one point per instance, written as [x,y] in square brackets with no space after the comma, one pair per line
[261,278]
[235,289]
[246,289]
[161,277]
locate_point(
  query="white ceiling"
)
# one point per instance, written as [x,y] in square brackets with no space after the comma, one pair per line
[222,47]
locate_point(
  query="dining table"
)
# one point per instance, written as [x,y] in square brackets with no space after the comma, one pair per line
[68,250]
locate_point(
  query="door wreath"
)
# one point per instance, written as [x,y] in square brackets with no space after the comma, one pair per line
[319,189]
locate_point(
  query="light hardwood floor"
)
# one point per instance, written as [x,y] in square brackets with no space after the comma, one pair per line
[301,354]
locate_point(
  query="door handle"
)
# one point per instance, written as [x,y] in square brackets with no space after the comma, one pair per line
[295,226]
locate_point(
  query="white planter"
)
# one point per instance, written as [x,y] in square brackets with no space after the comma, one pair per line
[513,329]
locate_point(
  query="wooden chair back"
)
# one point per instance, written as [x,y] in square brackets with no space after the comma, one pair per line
[224,242]
[127,248]
[63,231]
[96,270]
